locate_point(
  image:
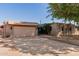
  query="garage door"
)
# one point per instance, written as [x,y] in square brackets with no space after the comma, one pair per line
[24,31]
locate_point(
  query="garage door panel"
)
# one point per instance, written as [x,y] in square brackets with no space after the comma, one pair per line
[24,31]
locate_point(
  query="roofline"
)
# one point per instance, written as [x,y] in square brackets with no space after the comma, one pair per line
[29,22]
[22,24]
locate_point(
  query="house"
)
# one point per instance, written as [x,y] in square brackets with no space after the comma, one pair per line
[21,29]
[64,29]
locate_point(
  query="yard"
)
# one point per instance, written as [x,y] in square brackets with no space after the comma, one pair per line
[37,46]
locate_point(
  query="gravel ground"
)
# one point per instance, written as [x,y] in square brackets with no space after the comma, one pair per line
[39,46]
[4,51]
[43,46]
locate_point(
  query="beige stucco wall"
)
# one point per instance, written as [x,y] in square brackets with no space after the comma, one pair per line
[55,29]
[76,32]
[6,30]
[58,31]
[20,31]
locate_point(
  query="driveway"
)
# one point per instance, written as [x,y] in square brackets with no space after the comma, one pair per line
[42,45]
[38,46]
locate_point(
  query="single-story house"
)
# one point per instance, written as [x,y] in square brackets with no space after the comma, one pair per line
[64,29]
[22,29]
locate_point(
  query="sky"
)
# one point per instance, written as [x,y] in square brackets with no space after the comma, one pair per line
[29,12]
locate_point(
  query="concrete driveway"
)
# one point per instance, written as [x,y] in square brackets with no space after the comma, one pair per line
[43,45]
[36,46]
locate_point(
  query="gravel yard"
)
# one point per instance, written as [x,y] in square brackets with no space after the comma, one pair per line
[40,46]
[43,46]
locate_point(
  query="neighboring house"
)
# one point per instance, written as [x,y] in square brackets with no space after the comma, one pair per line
[22,29]
[64,29]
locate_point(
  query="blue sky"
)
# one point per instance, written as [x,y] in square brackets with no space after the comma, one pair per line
[29,12]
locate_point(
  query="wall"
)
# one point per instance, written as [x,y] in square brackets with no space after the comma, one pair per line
[76,32]
[55,29]
[6,31]
[19,31]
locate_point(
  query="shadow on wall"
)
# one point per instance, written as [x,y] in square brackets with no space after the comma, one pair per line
[44,29]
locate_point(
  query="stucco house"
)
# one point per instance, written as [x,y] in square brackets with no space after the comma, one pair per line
[21,29]
[64,29]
